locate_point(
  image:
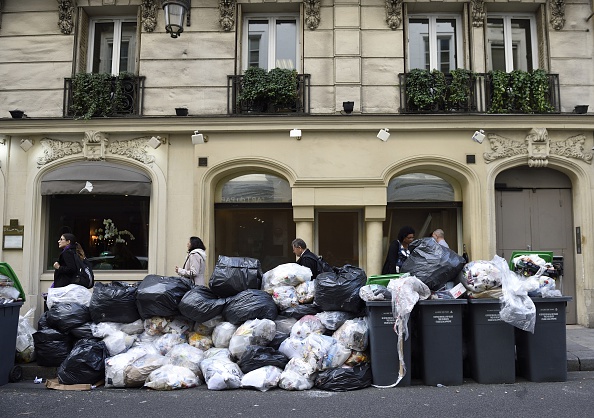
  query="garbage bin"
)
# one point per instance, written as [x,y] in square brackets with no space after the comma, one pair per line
[383,346]
[440,331]
[383,279]
[9,322]
[490,343]
[542,356]
[7,271]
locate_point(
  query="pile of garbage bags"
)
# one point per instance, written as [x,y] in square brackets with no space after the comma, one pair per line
[246,330]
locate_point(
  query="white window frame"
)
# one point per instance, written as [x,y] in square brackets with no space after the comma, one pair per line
[117,37]
[272,18]
[433,39]
[508,41]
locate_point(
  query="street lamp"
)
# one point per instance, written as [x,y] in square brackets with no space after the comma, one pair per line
[175,13]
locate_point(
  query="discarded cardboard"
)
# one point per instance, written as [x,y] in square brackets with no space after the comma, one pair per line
[55,384]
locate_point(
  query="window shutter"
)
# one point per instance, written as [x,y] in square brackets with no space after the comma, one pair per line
[83,41]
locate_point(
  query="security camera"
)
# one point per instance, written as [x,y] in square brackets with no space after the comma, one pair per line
[199,138]
[479,136]
[383,134]
[295,133]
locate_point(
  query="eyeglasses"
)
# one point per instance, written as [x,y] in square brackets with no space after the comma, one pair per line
[62,239]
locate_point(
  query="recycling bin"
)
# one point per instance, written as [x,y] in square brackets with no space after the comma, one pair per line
[383,279]
[9,322]
[383,346]
[490,343]
[439,325]
[542,356]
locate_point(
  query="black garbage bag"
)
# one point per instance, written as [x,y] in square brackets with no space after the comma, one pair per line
[85,363]
[201,304]
[339,291]
[256,356]
[250,304]
[160,295]
[232,275]
[300,311]
[51,347]
[64,316]
[431,263]
[42,323]
[82,331]
[278,339]
[344,379]
[114,302]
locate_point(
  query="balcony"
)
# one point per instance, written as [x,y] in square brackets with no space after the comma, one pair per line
[462,91]
[298,105]
[90,95]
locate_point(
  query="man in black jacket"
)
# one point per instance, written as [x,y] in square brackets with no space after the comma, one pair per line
[306,257]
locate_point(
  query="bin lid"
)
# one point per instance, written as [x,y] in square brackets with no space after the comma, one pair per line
[442,302]
[478,301]
[379,303]
[6,270]
[551,299]
[383,279]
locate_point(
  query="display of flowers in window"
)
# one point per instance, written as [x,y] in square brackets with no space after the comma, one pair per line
[111,234]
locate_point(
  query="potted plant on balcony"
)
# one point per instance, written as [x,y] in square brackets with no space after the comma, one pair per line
[97,94]
[459,89]
[425,90]
[254,90]
[282,89]
[539,87]
[499,81]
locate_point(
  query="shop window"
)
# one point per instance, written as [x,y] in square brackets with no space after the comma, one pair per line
[434,42]
[271,41]
[511,43]
[254,218]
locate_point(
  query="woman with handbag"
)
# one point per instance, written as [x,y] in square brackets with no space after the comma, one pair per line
[65,268]
[195,263]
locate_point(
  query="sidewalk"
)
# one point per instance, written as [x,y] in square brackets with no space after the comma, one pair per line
[580,355]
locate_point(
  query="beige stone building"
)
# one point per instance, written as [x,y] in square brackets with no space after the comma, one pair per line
[133,182]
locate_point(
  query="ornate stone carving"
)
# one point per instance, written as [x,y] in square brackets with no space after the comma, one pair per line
[538,147]
[227,12]
[132,148]
[572,147]
[94,144]
[54,149]
[503,147]
[149,15]
[394,13]
[478,13]
[65,16]
[557,8]
[312,14]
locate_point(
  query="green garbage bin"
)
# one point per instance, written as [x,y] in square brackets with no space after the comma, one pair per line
[542,356]
[439,325]
[383,279]
[9,322]
[7,271]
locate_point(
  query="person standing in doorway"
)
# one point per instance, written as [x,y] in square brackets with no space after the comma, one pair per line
[195,263]
[439,236]
[306,257]
[398,251]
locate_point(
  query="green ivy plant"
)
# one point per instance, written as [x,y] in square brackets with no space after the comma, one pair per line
[499,95]
[539,88]
[459,89]
[282,88]
[97,94]
[419,87]
[273,90]
[519,91]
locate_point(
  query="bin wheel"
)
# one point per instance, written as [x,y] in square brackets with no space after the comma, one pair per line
[16,374]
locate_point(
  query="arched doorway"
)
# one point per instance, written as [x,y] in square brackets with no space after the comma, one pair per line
[534,212]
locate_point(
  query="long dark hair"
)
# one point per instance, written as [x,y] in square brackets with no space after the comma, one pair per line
[196,243]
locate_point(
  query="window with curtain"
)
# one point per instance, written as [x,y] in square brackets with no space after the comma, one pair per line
[433,42]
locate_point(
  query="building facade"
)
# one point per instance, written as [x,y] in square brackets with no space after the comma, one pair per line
[101,152]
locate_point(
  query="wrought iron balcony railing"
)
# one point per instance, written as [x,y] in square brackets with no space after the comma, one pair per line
[481,94]
[112,96]
[236,106]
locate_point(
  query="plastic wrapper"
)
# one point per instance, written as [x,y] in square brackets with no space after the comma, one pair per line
[252,332]
[289,274]
[292,347]
[51,347]
[256,356]
[479,276]
[202,342]
[339,291]
[115,366]
[9,293]
[221,336]
[114,302]
[263,379]
[374,292]
[546,288]
[136,327]
[201,304]
[161,295]
[179,325]
[71,293]
[344,379]
[115,340]
[357,358]
[285,297]
[207,327]
[332,320]
[218,353]
[84,364]
[233,275]
[155,325]
[170,377]
[284,324]
[298,312]
[25,346]
[517,308]
[406,292]
[220,373]
[322,352]
[135,374]
[64,316]
[431,263]
[353,334]
[306,292]
[309,324]
[298,375]
[187,356]
[166,342]
[250,304]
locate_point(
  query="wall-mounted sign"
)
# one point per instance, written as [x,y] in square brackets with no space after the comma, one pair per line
[13,236]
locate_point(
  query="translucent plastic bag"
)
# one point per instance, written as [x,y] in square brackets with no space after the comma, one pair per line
[221,336]
[252,332]
[25,346]
[135,374]
[263,379]
[170,377]
[298,375]
[309,324]
[289,274]
[374,292]
[115,366]
[284,297]
[354,334]
[187,356]
[220,373]
[333,320]
[71,293]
